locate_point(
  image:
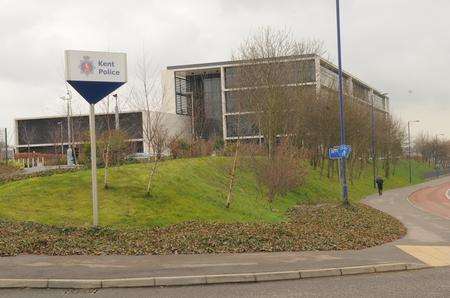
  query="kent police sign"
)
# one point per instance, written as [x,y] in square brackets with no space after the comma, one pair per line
[95,74]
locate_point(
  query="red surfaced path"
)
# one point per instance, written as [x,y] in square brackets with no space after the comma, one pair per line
[433,200]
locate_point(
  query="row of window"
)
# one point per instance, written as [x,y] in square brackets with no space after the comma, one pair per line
[263,74]
[378,101]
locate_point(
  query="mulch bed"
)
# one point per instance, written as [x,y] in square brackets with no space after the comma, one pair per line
[323,227]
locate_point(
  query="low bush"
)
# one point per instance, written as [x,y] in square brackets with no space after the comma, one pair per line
[324,227]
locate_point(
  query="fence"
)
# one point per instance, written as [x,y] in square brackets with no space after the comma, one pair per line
[437,173]
[31,160]
[3,144]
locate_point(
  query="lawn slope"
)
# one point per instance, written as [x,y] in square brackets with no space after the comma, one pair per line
[185,190]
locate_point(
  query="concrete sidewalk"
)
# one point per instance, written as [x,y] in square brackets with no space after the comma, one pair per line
[423,229]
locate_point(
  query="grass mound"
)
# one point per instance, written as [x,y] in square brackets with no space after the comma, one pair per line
[185,190]
[323,227]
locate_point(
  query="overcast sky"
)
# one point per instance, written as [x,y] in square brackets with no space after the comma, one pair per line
[400,47]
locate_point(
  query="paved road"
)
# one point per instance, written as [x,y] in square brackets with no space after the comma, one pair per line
[423,229]
[421,283]
[433,200]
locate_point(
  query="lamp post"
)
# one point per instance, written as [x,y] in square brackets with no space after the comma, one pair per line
[60,123]
[373,139]
[409,148]
[68,99]
[341,109]
[373,143]
[436,165]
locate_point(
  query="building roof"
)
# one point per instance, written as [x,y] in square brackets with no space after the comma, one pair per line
[234,62]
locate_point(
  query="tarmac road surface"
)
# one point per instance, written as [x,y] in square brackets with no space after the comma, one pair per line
[421,283]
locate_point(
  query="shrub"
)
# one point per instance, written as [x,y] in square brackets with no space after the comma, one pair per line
[283,173]
[178,147]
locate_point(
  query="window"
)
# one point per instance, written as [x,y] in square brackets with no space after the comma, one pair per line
[378,101]
[241,126]
[328,78]
[360,91]
[281,73]
[182,98]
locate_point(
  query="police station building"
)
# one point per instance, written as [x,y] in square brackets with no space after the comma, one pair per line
[206,92]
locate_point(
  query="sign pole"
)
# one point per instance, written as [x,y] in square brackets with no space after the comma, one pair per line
[341,108]
[6,145]
[93,165]
[94,75]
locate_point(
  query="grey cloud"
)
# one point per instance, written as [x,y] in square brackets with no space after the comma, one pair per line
[395,46]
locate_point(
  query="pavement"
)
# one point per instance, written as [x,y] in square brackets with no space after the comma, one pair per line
[428,235]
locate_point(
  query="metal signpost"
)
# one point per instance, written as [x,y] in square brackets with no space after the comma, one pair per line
[340,153]
[94,75]
[341,107]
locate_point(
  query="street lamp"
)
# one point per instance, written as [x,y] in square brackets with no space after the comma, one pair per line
[436,153]
[409,148]
[341,109]
[373,145]
[68,99]
[61,136]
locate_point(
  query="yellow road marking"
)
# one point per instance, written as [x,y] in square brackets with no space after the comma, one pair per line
[431,255]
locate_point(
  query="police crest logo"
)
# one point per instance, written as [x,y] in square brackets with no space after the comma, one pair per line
[86,65]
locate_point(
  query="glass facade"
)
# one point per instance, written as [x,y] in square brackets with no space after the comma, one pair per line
[360,91]
[199,92]
[206,108]
[31,132]
[292,72]
[245,86]
[378,101]
[328,78]
[182,98]
[241,125]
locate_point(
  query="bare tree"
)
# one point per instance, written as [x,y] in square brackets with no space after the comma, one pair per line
[107,141]
[274,86]
[270,91]
[147,94]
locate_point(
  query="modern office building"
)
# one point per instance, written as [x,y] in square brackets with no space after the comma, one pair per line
[201,99]
[212,90]
[51,134]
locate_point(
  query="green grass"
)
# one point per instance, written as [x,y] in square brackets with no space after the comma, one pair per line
[185,189]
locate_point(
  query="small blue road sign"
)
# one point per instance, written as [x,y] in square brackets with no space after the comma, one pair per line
[345,150]
[339,152]
[333,153]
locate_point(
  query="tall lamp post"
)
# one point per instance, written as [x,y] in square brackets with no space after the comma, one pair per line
[409,148]
[436,165]
[373,141]
[68,99]
[60,123]
[341,109]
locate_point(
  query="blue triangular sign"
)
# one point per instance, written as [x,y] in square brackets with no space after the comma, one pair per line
[93,91]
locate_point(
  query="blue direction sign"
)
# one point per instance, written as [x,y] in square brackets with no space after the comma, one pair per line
[345,150]
[333,153]
[339,152]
